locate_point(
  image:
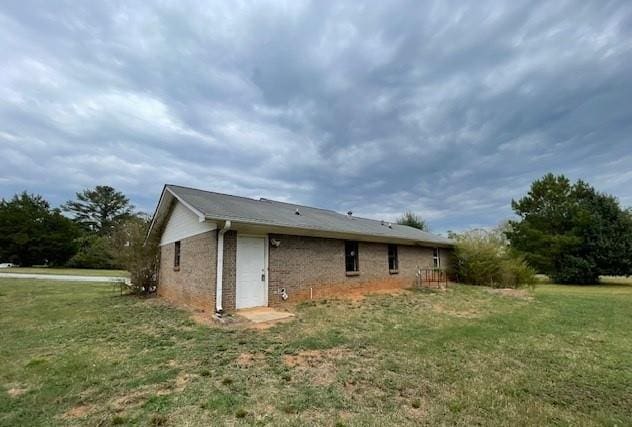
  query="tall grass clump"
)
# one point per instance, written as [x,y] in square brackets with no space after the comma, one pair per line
[483,258]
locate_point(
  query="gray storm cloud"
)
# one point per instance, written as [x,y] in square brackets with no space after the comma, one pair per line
[440,107]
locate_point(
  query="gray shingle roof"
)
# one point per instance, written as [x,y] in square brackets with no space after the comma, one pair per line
[217,206]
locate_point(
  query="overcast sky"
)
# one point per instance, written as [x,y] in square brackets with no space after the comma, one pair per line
[447,109]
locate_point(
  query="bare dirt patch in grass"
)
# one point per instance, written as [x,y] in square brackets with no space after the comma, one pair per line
[510,292]
[353,293]
[359,294]
[362,387]
[246,360]
[16,391]
[79,411]
[267,325]
[129,400]
[182,380]
[317,365]
[311,358]
[416,408]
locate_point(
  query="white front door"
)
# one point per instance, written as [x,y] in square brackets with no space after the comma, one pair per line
[251,272]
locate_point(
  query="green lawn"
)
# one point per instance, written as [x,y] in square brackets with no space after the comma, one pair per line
[80,354]
[66,271]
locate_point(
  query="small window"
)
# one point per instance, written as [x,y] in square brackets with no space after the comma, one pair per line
[351,257]
[393,263]
[436,259]
[176,256]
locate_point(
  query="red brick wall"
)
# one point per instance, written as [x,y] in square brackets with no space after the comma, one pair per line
[298,264]
[301,263]
[194,284]
[229,275]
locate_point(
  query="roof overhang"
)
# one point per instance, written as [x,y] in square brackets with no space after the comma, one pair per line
[245,225]
[251,227]
[167,197]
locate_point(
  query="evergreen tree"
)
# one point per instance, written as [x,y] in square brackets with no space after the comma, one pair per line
[572,232]
[98,210]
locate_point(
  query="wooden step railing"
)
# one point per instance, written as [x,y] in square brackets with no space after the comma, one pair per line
[431,278]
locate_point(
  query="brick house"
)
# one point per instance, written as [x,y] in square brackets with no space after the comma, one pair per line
[221,252]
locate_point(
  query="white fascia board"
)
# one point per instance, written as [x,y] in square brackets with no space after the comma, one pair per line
[258,228]
[200,215]
[162,214]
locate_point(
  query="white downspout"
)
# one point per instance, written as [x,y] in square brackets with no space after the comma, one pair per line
[220,268]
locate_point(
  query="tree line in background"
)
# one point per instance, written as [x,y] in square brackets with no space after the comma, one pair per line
[104,232]
[568,231]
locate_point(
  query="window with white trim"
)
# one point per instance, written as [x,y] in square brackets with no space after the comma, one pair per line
[351,257]
[393,262]
[436,258]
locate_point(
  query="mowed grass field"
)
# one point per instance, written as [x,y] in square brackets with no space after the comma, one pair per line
[80,354]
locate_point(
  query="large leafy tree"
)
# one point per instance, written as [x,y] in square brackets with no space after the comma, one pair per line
[411,219]
[32,233]
[572,232]
[100,209]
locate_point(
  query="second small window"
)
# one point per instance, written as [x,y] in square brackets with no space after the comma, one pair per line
[176,256]
[351,257]
[393,263]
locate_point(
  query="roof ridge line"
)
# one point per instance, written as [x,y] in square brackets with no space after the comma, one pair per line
[298,205]
[265,199]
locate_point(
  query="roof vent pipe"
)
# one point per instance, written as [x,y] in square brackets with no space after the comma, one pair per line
[219,273]
[349,213]
[297,212]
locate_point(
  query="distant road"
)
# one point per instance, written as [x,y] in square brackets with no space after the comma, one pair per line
[64,277]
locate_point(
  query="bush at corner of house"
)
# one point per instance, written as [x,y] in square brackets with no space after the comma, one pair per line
[483,258]
[137,254]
